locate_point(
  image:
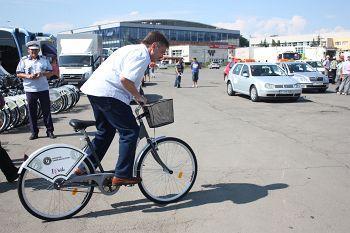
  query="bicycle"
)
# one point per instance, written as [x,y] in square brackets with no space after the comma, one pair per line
[48,188]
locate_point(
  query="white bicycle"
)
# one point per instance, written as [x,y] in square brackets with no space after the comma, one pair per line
[49,189]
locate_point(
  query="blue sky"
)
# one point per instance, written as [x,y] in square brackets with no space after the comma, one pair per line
[253,18]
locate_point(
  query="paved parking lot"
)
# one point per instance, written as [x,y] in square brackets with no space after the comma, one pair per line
[263,167]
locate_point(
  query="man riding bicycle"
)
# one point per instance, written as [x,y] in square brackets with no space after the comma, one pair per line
[110,90]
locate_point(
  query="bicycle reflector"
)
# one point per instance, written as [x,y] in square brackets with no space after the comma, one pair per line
[74,191]
[180,175]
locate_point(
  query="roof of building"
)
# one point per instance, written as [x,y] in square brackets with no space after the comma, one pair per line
[172,22]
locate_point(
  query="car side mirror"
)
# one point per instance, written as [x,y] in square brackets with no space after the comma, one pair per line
[245,74]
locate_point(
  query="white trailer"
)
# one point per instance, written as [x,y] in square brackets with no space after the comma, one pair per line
[204,54]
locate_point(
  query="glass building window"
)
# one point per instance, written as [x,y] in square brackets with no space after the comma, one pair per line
[194,36]
[173,34]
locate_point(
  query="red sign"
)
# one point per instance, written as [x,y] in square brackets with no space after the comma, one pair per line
[221,46]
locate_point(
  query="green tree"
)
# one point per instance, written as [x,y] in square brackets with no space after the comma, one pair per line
[265,43]
[278,43]
[273,43]
[243,42]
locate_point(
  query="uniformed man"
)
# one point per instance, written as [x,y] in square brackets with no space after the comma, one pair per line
[34,69]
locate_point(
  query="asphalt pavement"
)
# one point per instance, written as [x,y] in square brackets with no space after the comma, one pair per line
[263,167]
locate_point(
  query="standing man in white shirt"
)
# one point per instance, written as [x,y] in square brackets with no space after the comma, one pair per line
[110,90]
[34,70]
[345,84]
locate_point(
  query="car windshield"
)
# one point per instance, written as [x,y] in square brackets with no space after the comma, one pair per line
[266,70]
[300,67]
[315,64]
[75,60]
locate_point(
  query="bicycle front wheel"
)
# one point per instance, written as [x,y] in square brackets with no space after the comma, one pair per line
[158,185]
[42,200]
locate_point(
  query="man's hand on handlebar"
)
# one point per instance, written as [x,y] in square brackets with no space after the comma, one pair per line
[141,100]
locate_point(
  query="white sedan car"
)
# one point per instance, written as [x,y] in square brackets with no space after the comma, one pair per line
[308,77]
[261,80]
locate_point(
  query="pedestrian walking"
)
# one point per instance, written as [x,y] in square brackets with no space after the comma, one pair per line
[339,72]
[195,66]
[179,68]
[345,84]
[34,70]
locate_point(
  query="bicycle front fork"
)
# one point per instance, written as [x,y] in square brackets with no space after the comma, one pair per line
[154,149]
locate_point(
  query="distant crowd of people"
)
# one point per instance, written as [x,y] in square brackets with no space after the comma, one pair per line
[339,71]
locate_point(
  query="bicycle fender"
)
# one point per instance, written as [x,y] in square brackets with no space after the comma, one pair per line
[137,159]
[54,161]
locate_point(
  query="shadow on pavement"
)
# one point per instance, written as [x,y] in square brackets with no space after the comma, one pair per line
[5,186]
[237,193]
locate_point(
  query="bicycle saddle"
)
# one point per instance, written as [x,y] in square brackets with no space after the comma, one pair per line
[80,125]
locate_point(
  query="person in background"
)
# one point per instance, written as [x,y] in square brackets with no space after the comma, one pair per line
[179,69]
[333,69]
[326,64]
[6,165]
[152,66]
[339,72]
[34,70]
[195,66]
[345,83]
[110,90]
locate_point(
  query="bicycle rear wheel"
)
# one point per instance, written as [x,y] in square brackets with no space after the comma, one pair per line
[158,185]
[42,200]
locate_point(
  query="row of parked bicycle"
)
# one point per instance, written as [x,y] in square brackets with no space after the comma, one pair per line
[15,112]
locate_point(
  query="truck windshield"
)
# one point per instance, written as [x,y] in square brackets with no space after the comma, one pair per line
[75,61]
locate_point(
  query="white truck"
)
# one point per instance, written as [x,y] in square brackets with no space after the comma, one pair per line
[78,56]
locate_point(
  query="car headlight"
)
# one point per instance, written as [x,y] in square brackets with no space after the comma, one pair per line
[297,85]
[269,86]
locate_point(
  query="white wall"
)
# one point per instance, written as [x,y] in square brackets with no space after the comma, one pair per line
[199,52]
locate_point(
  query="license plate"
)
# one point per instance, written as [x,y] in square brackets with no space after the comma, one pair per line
[73,83]
[286,92]
[317,84]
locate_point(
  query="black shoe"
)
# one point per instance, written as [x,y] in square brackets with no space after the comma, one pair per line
[50,135]
[13,178]
[33,136]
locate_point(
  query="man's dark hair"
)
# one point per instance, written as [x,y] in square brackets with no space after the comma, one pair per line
[157,37]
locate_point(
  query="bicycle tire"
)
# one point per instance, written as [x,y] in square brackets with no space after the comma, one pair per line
[35,212]
[161,178]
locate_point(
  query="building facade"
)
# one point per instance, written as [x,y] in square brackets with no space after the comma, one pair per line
[116,35]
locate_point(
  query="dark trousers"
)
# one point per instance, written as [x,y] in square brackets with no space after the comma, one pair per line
[44,99]
[112,115]
[6,165]
[177,81]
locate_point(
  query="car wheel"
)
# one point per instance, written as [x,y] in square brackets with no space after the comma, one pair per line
[254,94]
[230,91]
[295,99]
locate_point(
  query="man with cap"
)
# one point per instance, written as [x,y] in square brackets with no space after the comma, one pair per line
[34,70]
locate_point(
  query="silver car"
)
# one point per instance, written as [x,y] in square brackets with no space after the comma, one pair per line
[261,80]
[306,75]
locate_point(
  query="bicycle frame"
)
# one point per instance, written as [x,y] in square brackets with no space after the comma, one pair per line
[41,161]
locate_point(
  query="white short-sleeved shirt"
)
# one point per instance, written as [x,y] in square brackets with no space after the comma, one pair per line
[27,65]
[129,62]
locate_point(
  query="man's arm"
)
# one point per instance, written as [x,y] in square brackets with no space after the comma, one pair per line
[23,76]
[130,87]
